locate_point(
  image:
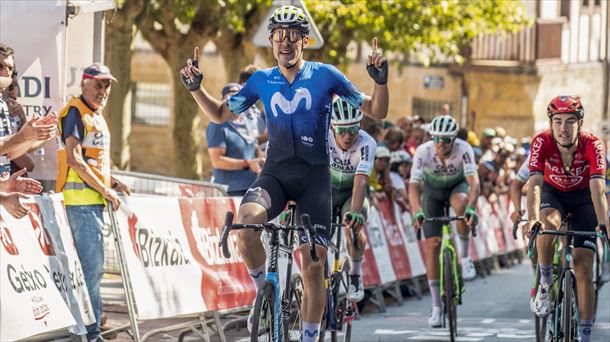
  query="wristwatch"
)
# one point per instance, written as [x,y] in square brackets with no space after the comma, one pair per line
[245,164]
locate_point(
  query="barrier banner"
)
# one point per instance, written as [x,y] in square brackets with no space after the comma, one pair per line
[29,278]
[396,244]
[416,261]
[164,274]
[480,242]
[69,276]
[377,241]
[370,273]
[496,224]
[223,283]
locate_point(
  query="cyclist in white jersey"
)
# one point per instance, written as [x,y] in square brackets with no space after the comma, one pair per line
[446,169]
[516,189]
[352,154]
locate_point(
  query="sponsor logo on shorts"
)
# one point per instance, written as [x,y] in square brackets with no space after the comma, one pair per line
[590,244]
[545,205]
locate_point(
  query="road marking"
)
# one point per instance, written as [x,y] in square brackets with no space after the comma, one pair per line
[393,332]
[488,320]
[513,336]
[445,338]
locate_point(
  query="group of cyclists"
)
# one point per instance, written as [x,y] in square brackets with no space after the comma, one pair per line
[319,158]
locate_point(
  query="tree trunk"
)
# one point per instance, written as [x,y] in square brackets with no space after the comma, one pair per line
[235,57]
[120,26]
[186,132]
[118,54]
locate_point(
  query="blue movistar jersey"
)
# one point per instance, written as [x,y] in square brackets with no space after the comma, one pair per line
[298,114]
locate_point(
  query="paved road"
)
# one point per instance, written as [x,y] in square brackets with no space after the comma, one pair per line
[495,309]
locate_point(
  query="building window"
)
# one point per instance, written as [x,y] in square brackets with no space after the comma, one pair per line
[150,103]
[564,10]
[428,109]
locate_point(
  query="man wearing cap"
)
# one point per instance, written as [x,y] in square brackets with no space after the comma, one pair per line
[233,150]
[83,176]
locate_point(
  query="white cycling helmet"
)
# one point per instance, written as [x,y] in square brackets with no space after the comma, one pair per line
[344,113]
[400,156]
[443,126]
[289,17]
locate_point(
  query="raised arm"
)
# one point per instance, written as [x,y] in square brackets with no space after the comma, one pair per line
[191,76]
[376,106]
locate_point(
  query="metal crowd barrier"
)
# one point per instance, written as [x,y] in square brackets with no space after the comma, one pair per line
[150,184]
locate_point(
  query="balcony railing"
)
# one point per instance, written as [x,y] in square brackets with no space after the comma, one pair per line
[539,41]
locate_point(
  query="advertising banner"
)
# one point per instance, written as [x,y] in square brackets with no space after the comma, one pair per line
[29,279]
[416,261]
[223,283]
[379,246]
[68,273]
[162,270]
[394,237]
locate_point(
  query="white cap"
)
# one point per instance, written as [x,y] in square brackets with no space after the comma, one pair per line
[382,152]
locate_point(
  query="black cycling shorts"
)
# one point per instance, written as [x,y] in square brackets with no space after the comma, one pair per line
[580,204]
[433,206]
[295,180]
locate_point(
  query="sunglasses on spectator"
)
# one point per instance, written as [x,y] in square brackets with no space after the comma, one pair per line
[445,140]
[279,35]
[351,130]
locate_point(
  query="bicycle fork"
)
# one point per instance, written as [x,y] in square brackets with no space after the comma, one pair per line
[446,245]
[273,277]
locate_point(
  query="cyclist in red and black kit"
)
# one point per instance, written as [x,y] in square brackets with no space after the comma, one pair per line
[567,170]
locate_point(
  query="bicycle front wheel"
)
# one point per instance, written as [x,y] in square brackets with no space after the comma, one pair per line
[264,315]
[568,308]
[449,287]
[292,321]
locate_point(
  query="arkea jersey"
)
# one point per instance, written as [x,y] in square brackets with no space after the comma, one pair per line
[298,114]
[589,161]
[345,165]
[429,169]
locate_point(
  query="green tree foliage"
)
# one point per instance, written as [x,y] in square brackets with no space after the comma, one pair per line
[174,28]
[425,29]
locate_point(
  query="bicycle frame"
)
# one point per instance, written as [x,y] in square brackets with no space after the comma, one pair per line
[447,244]
[280,303]
[567,265]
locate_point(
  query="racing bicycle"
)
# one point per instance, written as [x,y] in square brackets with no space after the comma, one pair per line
[277,317]
[451,282]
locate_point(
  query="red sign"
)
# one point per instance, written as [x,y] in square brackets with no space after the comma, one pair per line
[396,244]
[225,283]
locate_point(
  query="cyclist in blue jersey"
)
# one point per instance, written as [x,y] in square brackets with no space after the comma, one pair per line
[297,96]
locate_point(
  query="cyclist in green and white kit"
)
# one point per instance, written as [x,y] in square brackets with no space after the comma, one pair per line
[352,154]
[446,170]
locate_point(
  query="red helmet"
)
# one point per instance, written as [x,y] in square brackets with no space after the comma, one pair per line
[565,105]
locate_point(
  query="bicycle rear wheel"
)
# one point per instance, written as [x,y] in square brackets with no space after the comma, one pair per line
[346,308]
[597,279]
[264,314]
[568,309]
[449,287]
[292,321]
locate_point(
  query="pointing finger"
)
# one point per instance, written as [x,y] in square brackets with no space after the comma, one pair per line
[196,53]
[374,44]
